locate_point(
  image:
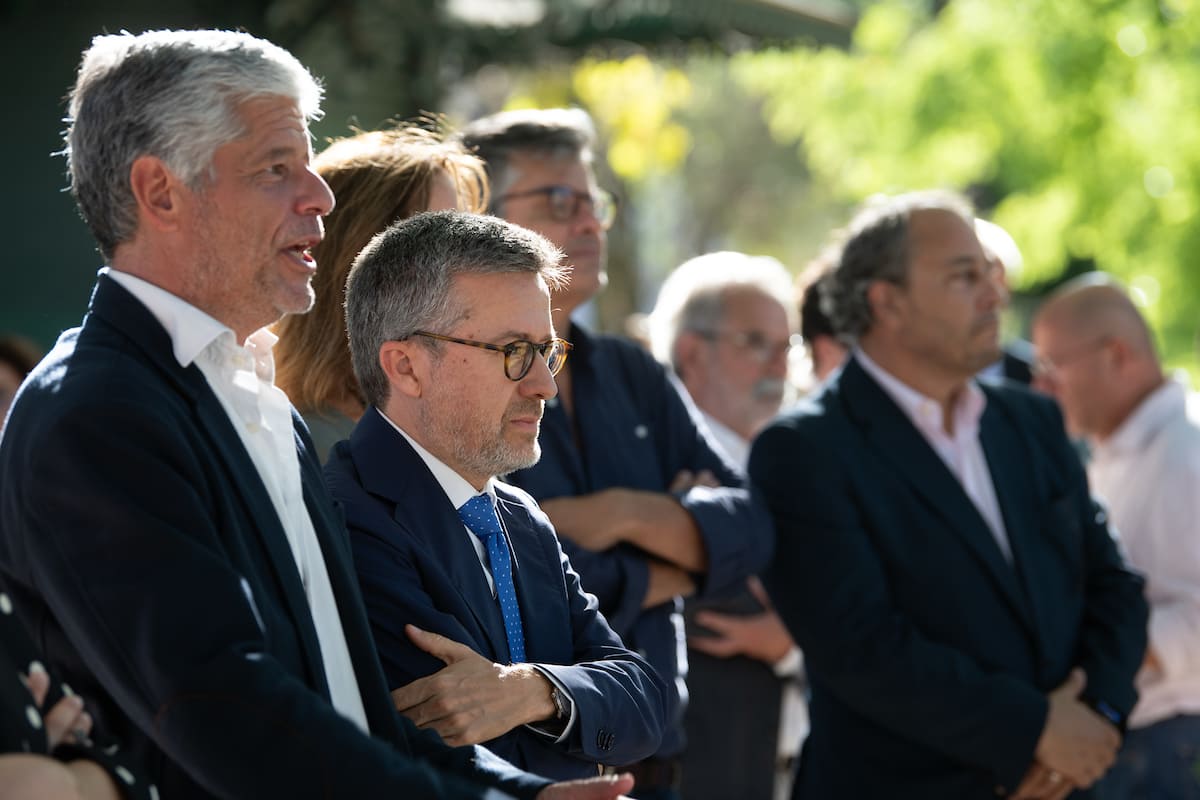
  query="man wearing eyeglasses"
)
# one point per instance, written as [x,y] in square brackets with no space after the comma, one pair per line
[648,511]
[1096,355]
[484,632]
[724,323]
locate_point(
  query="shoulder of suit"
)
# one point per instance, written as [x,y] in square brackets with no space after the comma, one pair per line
[1023,401]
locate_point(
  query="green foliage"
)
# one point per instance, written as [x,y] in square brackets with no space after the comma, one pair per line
[1077,122]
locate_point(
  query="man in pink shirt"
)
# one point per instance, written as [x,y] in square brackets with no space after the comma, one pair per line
[969,627]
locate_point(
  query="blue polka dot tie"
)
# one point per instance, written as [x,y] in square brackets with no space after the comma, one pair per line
[479,515]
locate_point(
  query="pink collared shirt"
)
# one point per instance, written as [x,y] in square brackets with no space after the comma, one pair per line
[961,451]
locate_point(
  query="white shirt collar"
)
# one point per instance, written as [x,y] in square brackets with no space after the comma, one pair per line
[457,488]
[1156,410]
[191,330]
[925,412]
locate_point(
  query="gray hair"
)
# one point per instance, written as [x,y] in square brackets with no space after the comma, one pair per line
[552,133]
[170,94]
[692,298]
[400,283]
[874,247]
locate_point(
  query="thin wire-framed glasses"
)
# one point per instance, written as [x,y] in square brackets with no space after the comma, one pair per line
[565,203]
[759,346]
[518,355]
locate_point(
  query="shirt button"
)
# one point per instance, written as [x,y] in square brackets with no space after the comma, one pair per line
[641,431]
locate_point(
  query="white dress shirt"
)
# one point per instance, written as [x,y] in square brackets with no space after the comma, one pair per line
[459,490]
[961,451]
[1148,471]
[242,377]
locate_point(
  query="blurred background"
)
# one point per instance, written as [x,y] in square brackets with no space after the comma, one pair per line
[753,125]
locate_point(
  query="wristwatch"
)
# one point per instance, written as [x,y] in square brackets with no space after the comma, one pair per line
[562,706]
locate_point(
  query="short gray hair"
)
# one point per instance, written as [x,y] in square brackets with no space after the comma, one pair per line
[545,132]
[692,298]
[400,282]
[170,94]
[874,247]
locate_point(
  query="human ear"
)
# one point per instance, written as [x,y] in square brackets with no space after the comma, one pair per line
[886,303]
[156,191]
[404,367]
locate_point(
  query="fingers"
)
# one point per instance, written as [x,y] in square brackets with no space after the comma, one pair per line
[411,695]
[605,787]
[682,482]
[759,591]
[437,645]
[706,478]
[66,719]
[713,646]
[37,682]
[1075,684]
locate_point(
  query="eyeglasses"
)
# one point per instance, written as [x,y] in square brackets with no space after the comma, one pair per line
[565,202]
[1046,367]
[518,355]
[753,342]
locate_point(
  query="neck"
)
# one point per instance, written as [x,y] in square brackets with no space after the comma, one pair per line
[918,374]
[1150,383]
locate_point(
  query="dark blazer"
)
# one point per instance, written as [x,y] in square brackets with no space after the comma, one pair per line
[417,565]
[929,655]
[138,541]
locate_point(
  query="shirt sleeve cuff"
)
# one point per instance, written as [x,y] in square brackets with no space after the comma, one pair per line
[791,665]
[555,736]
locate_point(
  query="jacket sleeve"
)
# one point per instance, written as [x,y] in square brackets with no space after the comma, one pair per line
[620,701]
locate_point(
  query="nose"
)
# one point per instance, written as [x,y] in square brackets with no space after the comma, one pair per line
[538,382]
[586,222]
[316,198]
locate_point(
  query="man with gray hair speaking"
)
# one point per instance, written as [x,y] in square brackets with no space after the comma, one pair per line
[968,625]
[163,524]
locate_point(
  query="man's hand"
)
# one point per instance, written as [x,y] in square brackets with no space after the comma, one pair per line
[605,787]
[67,721]
[759,636]
[1076,743]
[471,700]
[1042,783]
[666,581]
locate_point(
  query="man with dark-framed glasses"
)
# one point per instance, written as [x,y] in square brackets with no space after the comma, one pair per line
[481,624]
[647,510]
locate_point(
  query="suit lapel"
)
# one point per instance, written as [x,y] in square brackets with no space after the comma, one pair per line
[390,468]
[897,441]
[1003,446]
[124,312]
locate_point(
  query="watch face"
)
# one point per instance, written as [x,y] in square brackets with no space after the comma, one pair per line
[560,702]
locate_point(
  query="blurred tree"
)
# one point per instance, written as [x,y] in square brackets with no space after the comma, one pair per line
[1073,124]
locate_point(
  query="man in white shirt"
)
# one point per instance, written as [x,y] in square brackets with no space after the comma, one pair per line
[1097,357]
[724,323]
[450,333]
[968,626]
[162,517]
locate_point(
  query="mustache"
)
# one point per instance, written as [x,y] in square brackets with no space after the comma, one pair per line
[769,389]
[525,408]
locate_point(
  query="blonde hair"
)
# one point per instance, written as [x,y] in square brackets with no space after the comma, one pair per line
[377,177]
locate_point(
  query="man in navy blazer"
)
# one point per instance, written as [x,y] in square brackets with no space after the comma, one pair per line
[164,529]
[449,320]
[969,626]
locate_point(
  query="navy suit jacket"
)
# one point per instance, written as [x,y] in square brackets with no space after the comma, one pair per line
[416,565]
[146,557]
[929,655]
